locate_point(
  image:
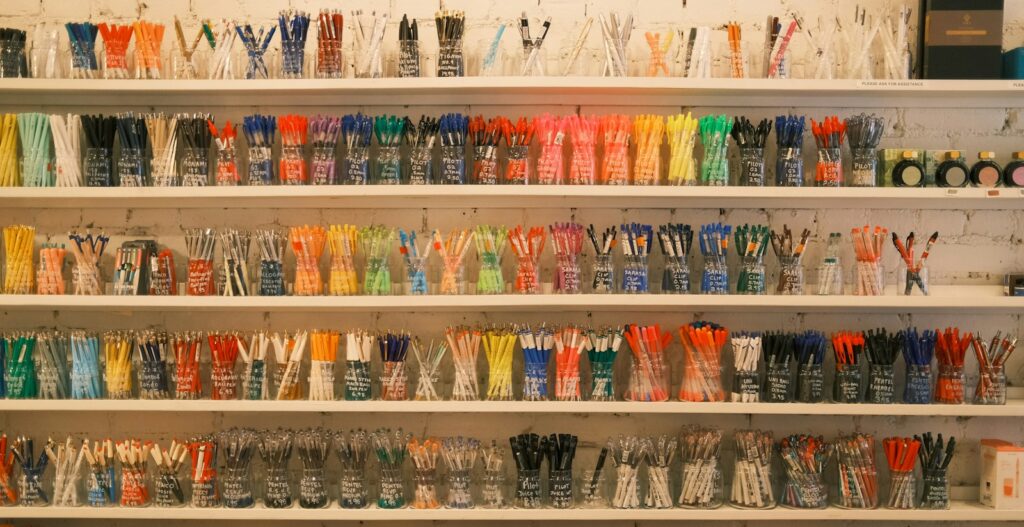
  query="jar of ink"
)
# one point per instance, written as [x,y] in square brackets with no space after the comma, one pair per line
[986,172]
[909,172]
[1013,174]
[952,172]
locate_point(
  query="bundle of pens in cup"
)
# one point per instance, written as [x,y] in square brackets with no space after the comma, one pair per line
[238,468]
[191,149]
[561,363]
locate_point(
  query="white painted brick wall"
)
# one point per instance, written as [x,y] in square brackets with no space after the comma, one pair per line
[975,247]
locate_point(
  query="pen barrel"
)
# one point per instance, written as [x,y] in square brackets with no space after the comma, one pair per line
[702,484]
[902,489]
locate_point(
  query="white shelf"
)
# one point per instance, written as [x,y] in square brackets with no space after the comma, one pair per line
[637,91]
[512,196]
[944,299]
[1013,408]
[959,511]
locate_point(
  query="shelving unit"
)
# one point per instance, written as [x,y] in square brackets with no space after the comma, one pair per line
[1013,407]
[959,511]
[307,96]
[943,299]
[636,91]
[511,196]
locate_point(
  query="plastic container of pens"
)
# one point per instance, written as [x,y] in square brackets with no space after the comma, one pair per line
[100,488]
[789,167]
[702,486]
[153,380]
[236,487]
[485,165]
[528,489]
[450,59]
[935,489]
[752,481]
[391,489]
[881,384]
[97,168]
[635,274]
[902,489]
[271,277]
[675,277]
[715,278]
[493,489]
[918,384]
[357,166]
[829,170]
[810,383]
[195,167]
[791,276]
[323,166]
[603,272]
[30,489]
[421,165]
[131,164]
[357,381]
[453,165]
[167,488]
[949,384]
[910,281]
[162,170]
[260,166]
[388,166]
[714,169]
[864,167]
[991,388]
[869,278]
[751,172]
[752,280]
[517,165]
[846,388]
[778,383]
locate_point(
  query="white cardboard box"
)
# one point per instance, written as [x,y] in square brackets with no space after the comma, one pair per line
[1002,469]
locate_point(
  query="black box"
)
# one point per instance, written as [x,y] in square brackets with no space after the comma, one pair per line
[961,39]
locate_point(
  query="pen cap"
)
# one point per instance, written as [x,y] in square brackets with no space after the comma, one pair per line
[986,156]
[1018,156]
[909,154]
[952,155]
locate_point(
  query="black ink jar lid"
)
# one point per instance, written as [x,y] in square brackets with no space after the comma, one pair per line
[909,172]
[952,171]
